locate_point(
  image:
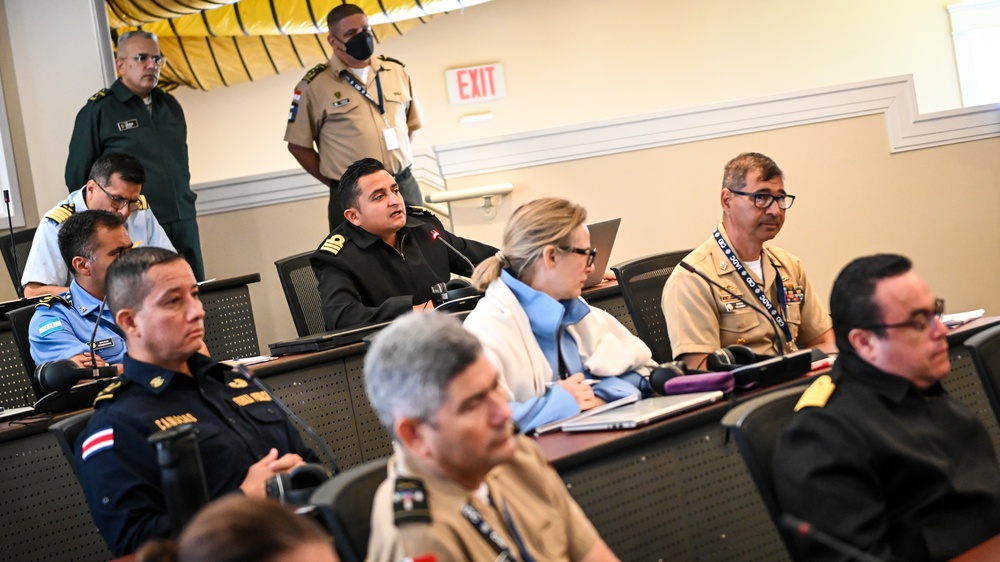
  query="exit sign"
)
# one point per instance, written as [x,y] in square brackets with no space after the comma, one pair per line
[476,83]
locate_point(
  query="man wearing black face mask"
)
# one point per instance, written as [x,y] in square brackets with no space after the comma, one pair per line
[354,107]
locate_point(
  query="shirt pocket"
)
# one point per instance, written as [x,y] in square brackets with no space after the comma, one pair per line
[739,322]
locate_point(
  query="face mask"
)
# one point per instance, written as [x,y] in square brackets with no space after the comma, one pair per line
[361,46]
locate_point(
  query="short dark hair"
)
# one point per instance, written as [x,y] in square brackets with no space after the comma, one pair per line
[852,303]
[410,363]
[125,165]
[78,235]
[126,285]
[734,177]
[340,12]
[348,188]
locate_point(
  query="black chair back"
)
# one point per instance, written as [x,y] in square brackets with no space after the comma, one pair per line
[641,281]
[20,319]
[756,426]
[230,331]
[984,348]
[22,245]
[345,502]
[67,431]
[302,293]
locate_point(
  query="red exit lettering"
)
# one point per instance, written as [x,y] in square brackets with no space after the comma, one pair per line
[476,82]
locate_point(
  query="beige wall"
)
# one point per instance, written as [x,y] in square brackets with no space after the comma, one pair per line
[577,61]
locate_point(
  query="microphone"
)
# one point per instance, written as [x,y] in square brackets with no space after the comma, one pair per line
[807,531]
[248,375]
[437,236]
[13,247]
[93,337]
[63,374]
[778,345]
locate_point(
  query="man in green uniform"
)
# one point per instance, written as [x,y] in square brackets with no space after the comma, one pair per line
[354,107]
[134,117]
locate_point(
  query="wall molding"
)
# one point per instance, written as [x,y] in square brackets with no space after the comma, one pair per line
[894,97]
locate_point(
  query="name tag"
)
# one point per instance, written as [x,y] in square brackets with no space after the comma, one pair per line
[101,344]
[126,125]
[341,102]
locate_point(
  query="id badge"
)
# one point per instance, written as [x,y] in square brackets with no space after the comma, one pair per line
[391,141]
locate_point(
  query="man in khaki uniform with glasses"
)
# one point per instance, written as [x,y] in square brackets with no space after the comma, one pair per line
[702,318]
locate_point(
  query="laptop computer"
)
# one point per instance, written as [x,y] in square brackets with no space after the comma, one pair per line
[602,237]
[558,424]
[327,340]
[644,412]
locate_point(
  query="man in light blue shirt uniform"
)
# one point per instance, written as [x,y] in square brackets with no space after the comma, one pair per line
[62,325]
[114,185]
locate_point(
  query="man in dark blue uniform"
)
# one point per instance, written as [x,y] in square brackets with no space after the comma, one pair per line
[383,260]
[877,454]
[242,436]
[135,117]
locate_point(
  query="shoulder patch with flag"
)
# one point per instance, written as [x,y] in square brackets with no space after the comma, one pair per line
[99,441]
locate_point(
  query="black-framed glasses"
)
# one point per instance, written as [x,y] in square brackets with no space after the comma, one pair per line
[590,253]
[764,200]
[117,201]
[143,58]
[919,319]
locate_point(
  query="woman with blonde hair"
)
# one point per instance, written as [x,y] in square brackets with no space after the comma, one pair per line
[555,354]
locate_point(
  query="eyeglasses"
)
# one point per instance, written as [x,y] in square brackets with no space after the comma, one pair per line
[764,200]
[142,58]
[591,253]
[117,201]
[919,319]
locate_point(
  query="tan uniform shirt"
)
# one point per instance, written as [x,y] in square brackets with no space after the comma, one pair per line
[701,318]
[345,125]
[549,521]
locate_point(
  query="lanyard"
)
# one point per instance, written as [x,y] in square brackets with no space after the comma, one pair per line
[380,104]
[473,516]
[755,288]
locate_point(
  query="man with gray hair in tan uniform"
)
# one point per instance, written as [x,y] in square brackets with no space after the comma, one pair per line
[462,484]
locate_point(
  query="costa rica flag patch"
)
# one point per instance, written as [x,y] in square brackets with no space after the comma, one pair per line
[99,441]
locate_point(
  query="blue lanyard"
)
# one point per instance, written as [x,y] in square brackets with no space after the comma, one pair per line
[473,516]
[755,288]
[380,104]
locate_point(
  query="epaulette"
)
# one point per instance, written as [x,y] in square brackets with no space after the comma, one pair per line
[109,391]
[390,59]
[103,92]
[419,211]
[49,300]
[333,244]
[409,502]
[61,213]
[313,72]
[818,393]
[143,205]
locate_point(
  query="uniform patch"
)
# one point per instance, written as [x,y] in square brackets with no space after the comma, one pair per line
[818,393]
[99,441]
[46,329]
[244,400]
[167,422]
[293,112]
[298,95]
[333,244]
[409,502]
[129,124]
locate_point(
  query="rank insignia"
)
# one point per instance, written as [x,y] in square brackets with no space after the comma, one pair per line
[157,382]
[409,502]
[334,244]
[817,394]
[741,341]
[337,95]
[238,383]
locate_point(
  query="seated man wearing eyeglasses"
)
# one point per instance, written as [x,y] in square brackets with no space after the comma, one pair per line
[703,318]
[114,186]
[877,454]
